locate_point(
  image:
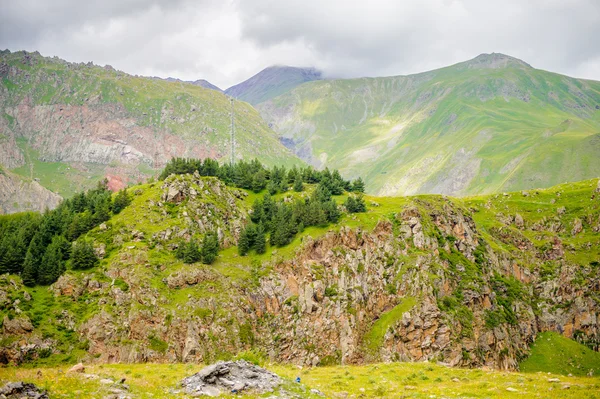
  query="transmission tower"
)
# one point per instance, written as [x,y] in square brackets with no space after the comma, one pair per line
[232,134]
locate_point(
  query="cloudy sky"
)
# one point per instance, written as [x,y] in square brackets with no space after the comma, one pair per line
[227,41]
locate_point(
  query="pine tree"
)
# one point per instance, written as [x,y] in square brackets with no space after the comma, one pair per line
[30,270]
[243,243]
[260,242]
[191,252]
[121,201]
[355,204]
[52,265]
[83,255]
[358,186]
[32,260]
[259,181]
[210,248]
[272,187]
[298,185]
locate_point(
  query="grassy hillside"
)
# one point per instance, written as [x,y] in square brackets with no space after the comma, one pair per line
[487,125]
[553,353]
[72,123]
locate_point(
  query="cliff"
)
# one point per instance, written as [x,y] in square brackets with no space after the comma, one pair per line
[466,282]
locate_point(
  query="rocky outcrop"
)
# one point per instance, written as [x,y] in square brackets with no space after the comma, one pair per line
[22,390]
[231,377]
[19,195]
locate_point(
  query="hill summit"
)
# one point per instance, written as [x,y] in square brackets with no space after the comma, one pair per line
[271,82]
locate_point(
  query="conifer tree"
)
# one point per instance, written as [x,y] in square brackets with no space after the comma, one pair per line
[210,248]
[298,185]
[52,265]
[260,242]
[121,201]
[83,255]
[358,186]
[243,243]
[191,252]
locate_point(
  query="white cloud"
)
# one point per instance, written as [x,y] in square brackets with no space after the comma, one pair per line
[227,41]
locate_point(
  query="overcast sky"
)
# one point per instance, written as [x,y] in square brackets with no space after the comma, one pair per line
[227,41]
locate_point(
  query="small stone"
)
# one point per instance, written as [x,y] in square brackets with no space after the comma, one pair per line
[78,368]
[553,380]
[455,379]
[511,389]
[106,381]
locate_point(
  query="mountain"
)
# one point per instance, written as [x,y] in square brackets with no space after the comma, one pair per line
[467,282]
[200,82]
[487,125]
[271,82]
[18,194]
[70,125]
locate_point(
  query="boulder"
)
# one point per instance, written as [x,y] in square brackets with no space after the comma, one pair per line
[230,377]
[17,326]
[18,390]
[78,368]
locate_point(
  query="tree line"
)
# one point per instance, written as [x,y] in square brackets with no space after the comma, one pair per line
[40,247]
[255,176]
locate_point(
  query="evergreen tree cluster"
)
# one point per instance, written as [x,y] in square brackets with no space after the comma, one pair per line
[355,204]
[284,220]
[191,252]
[38,246]
[256,177]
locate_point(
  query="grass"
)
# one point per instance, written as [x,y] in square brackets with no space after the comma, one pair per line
[551,352]
[393,380]
[374,338]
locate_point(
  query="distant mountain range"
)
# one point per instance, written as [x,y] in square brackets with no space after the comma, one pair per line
[272,82]
[486,125]
[490,124]
[200,82]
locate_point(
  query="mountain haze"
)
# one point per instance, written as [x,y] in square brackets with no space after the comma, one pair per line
[271,82]
[490,124]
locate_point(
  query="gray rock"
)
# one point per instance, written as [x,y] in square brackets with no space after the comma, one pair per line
[18,390]
[225,377]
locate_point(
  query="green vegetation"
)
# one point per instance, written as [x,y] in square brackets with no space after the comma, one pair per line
[374,338]
[39,246]
[460,130]
[553,353]
[418,380]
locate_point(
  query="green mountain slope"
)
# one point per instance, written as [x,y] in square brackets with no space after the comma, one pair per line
[487,125]
[271,82]
[81,122]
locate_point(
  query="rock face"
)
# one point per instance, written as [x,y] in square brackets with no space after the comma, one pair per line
[231,377]
[22,390]
[18,195]
[445,280]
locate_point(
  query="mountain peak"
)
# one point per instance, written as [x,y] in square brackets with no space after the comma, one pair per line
[496,61]
[271,82]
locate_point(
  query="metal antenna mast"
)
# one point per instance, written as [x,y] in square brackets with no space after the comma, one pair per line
[232,133]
